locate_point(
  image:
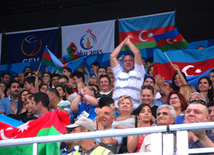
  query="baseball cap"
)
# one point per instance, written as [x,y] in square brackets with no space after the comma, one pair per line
[84,122]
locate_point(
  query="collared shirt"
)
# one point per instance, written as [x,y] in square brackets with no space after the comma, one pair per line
[197,144]
[65,151]
[5,105]
[158,102]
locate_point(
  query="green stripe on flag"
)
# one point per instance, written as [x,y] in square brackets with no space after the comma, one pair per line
[149,44]
[179,45]
[47,62]
[43,149]
[70,53]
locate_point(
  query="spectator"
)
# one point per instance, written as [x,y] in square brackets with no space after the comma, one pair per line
[149,62]
[2,90]
[198,112]
[106,101]
[108,69]
[150,70]
[10,100]
[86,107]
[39,104]
[93,80]
[85,72]
[205,87]
[177,100]
[15,78]
[105,86]
[27,69]
[94,68]
[187,90]
[111,76]
[43,88]
[166,115]
[87,146]
[147,97]
[46,78]
[77,78]
[178,79]
[143,118]
[21,78]
[105,118]
[5,77]
[67,72]
[29,84]
[55,101]
[129,80]
[198,96]
[54,80]
[101,71]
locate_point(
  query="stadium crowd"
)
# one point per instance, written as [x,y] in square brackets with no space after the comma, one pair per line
[116,97]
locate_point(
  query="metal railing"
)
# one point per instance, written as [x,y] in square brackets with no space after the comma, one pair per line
[161,143]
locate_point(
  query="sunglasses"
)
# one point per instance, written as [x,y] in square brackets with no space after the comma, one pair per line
[198,101]
[148,87]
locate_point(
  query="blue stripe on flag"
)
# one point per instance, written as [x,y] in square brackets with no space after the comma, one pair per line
[167,35]
[184,55]
[55,60]
[10,121]
[147,22]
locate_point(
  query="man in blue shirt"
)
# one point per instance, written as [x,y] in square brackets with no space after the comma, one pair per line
[12,100]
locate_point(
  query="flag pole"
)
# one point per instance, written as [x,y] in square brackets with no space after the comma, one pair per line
[167,58]
[39,66]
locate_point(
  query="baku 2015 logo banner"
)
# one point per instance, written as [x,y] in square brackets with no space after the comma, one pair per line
[28,46]
[89,39]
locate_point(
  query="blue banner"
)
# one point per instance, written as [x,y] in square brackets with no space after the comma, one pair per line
[29,46]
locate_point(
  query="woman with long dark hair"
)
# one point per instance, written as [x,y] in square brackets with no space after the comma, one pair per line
[205,87]
[143,118]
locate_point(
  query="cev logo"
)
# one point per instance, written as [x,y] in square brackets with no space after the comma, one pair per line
[31,42]
[88,41]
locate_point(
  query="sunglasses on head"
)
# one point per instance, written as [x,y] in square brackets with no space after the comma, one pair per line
[148,87]
[198,101]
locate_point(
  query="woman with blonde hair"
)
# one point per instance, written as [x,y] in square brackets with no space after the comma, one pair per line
[92,80]
[186,90]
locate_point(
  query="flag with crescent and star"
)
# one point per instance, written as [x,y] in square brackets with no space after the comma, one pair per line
[192,62]
[143,28]
[170,40]
[52,123]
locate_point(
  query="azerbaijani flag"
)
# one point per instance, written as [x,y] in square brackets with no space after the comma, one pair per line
[192,62]
[170,40]
[52,123]
[73,53]
[145,27]
[50,59]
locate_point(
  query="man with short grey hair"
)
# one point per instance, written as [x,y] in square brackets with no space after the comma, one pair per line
[197,112]
[198,96]
[166,115]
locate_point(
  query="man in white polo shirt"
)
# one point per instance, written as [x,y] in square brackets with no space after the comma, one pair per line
[128,81]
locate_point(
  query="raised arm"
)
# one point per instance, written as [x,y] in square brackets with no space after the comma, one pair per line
[176,68]
[135,50]
[113,57]
[100,127]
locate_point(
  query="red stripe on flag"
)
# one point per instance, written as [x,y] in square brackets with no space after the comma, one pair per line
[165,69]
[46,55]
[173,40]
[144,35]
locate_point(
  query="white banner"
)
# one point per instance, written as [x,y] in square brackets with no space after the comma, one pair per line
[0,45]
[90,39]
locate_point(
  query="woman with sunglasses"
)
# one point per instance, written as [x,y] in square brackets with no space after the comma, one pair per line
[143,118]
[147,97]
[205,87]
[178,101]
[105,86]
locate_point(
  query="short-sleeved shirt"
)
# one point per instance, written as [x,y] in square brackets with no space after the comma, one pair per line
[5,105]
[197,144]
[89,108]
[128,83]
[65,105]
[119,140]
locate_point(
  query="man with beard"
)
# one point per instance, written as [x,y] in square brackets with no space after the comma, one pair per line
[10,100]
